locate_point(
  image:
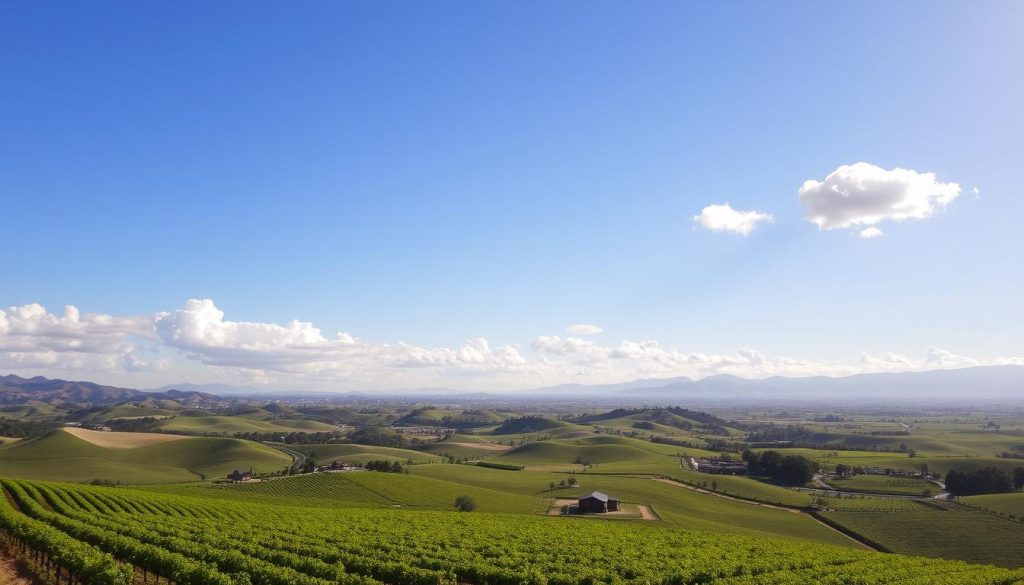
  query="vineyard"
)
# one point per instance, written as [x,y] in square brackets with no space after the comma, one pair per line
[110,536]
[936,528]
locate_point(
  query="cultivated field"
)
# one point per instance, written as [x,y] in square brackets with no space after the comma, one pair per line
[195,540]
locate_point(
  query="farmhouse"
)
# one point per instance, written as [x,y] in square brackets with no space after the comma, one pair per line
[597,503]
[719,466]
[240,475]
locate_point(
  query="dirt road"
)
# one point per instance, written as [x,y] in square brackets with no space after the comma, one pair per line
[10,574]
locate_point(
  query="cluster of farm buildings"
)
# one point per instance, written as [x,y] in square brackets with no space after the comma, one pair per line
[719,466]
[335,466]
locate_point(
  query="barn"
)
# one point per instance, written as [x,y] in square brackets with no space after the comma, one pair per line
[597,503]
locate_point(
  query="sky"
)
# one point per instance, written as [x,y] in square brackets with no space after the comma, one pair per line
[506,195]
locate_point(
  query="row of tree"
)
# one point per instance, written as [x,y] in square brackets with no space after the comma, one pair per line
[388,466]
[786,469]
[985,480]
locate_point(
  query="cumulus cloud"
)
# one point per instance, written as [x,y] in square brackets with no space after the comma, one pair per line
[200,331]
[887,361]
[33,337]
[871,232]
[583,329]
[940,358]
[863,194]
[723,218]
[209,345]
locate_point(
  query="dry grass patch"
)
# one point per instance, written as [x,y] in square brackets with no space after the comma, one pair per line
[116,440]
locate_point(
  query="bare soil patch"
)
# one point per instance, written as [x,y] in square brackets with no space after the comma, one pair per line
[11,572]
[626,511]
[116,440]
[646,513]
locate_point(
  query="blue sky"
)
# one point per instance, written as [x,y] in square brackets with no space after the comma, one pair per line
[432,173]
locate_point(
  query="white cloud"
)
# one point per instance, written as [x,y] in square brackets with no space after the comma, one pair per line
[940,358]
[889,361]
[863,194]
[871,232]
[200,331]
[723,218]
[298,355]
[583,329]
[32,337]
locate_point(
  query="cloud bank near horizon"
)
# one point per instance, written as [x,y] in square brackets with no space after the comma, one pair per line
[198,341]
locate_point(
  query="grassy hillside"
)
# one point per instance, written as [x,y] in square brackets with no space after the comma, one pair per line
[30,410]
[1010,505]
[594,449]
[936,463]
[882,484]
[325,453]
[246,423]
[60,456]
[368,489]
[451,417]
[675,505]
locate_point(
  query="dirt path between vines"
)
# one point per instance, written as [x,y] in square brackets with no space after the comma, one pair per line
[646,513]
[11,573]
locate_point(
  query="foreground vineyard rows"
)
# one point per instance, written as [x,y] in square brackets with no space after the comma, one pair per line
[98,535]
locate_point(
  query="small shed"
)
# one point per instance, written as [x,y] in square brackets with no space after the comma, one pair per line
[597,503]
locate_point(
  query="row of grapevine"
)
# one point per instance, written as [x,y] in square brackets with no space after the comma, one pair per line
[237,542]
[82,562]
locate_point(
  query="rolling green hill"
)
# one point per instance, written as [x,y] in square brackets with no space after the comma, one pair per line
[595,449]
[367,489]
[452,418]
[350,452]
[250,422]
[60,456]
[1010,505]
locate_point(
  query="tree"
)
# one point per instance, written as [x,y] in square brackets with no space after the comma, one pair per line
[551,485]
[986,480]
[310,464]
[465,503]
[1018,477]
[842,469]
[795,470]
[573,482]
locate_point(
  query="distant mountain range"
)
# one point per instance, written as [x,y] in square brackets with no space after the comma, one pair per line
[217,389]
[987,382]
[18,390]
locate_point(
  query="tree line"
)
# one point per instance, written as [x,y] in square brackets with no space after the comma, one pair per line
[984,480]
